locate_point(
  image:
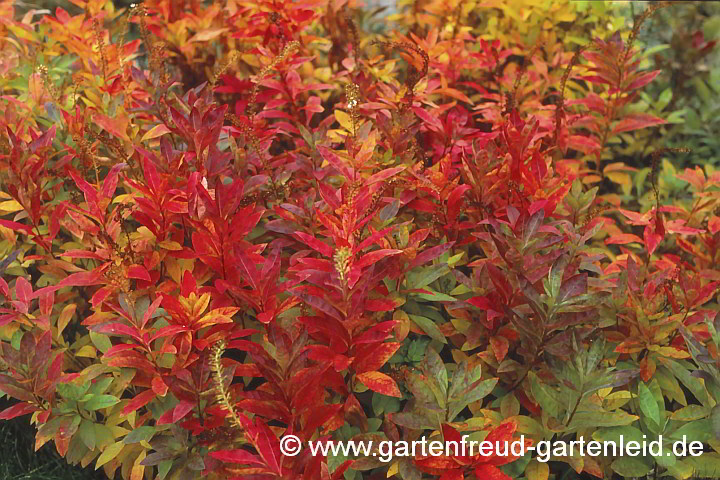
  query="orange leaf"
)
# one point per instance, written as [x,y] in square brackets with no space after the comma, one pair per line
[116,126]
[647,368]
[500,347]
[380,383]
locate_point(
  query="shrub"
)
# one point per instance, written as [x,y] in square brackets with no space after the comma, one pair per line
[227,223]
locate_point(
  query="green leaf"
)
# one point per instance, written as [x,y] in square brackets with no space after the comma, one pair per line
[102,342]
[690,413]
[140,434]
[556,275]
[164,468]
[87,433]
[648,405]
[715,421]
[16,339]
[72,391]
[96,402]
[101,385]
[632,466]
[103,436]
[436,368]
[613,434]
[434,296]
[384,404]
[307,136]
[416,350]
[480,391]
[429,327]
[600,419]
[699,430]
[706,465]
[595,355]
[424,276]
[413,421]
[692,383]
[545,396]
[667,458]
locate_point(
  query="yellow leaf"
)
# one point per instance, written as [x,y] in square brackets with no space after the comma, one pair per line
[156,131]
[138,470]
[87,351]
[621,178]
[64,317]
[565,16]
[143,233]
[344,119]
[208,34]
[337,136]
[11,206]
[393,470]
[93,98]
[590,179]
[673,352]
[170,245]
[201,304]
[118,431]
[122,198]
[20,32]
[251,60]
[109,453]
[536,470]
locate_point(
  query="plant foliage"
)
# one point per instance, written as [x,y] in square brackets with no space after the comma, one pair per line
[224,223]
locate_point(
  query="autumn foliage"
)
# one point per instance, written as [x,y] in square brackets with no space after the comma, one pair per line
[225,222]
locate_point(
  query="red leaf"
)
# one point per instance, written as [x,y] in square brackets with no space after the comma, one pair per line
[573,286]
[139,401]
[456,474]
[499,280]
[139,272]
[384,175]
[159,387]
[454,201]
[333,159]
[23,290]
[623,239]
[482,303]
[176,413]
[583,144]
[380,305]
[150,310]
[430,254]
[642,79]
[652,239]
[373,357]
[374,257]
[237,456]
[636,121]
[17,410]
[380,383]
[266,443]
[315,244]
[111,180]
[490,472]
